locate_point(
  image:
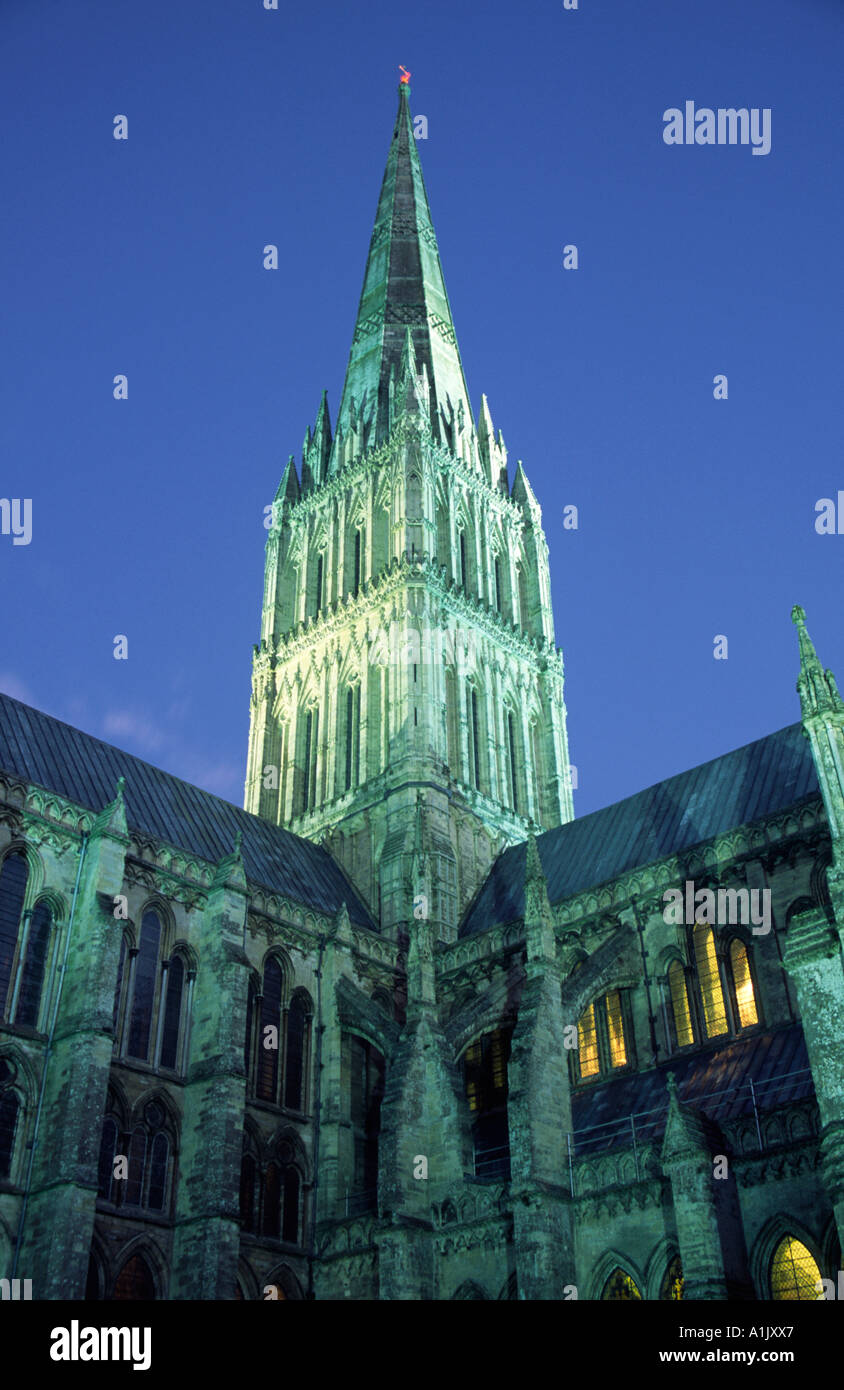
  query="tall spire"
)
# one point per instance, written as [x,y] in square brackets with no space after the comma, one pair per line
[403,288]
[816,687]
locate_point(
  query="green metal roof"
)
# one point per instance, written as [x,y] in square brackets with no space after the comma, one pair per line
[751,782]
[41,750]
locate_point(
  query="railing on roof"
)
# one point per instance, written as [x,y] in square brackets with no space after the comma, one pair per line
[358,1203]
[643,1125]
[493,1165]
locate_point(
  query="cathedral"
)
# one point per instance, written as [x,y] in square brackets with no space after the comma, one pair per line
[403,1027]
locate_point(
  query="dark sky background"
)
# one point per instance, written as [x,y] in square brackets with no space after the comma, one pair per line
[544,128]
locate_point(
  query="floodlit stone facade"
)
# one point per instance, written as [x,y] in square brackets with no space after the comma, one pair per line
[404,1028]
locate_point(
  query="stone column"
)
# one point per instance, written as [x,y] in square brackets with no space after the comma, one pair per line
[539,1109]
[206,1241]
[59,1222]
[688,1163]
[424,1144]
[333,1125]
[812,957]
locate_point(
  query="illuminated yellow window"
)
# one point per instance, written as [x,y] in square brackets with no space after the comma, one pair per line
[587,1037]
[472,1060]
[615,1028]
[672,1283]
[714,1013]
[743,984]
[680,1004]
[620,1285]
[794,1273]
[499,1061]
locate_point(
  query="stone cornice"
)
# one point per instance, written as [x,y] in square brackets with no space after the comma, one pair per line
[179,875]
[332,624]
[455,956]
[373,957]
[489,1233]
[708,857]
[44,807]
[14,791]
[612,1202]
[783,1163]
[576,915]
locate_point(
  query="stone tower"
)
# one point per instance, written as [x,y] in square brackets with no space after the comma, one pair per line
[407,696]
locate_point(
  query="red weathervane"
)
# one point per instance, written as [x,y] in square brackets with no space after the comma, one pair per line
[406,74]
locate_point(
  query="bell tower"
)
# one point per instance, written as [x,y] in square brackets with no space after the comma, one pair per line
[407,696]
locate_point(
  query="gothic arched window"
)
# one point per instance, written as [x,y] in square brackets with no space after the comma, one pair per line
[290,1223]
[105,1167]
[366,1071]
[272,1201]
[270,1032]
[414,497]
[358,572]
[620,1286]
[352,737]
[497,576]
[672,1282]
[485,1079]
[118,992]
[247,1192]
[134,1282]
[452,744]
[683,1029]
[146,972]
[587,1043]
[9,1115]
[14,873]
[309,760]
[602,1036]
[93,1281]
[463,574]
[172,1014]
[538,767]
[743,984]
[157,1187]
[615,1030]
[251,995]
[319,584]
[32,975]
[137,1161]
[146,1153]
[794,1272]
[523,604]
[298,1021]
[709,981]
[511,761]
[474,739]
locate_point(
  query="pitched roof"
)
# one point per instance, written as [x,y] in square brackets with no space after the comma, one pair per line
[44,751]
[714,1082]
[403,286]
[751,782]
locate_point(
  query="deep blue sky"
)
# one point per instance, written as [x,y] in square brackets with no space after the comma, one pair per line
[545,127]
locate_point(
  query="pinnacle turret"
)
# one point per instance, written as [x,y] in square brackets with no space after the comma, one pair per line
[822,711]
[316,448]
[816,687]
